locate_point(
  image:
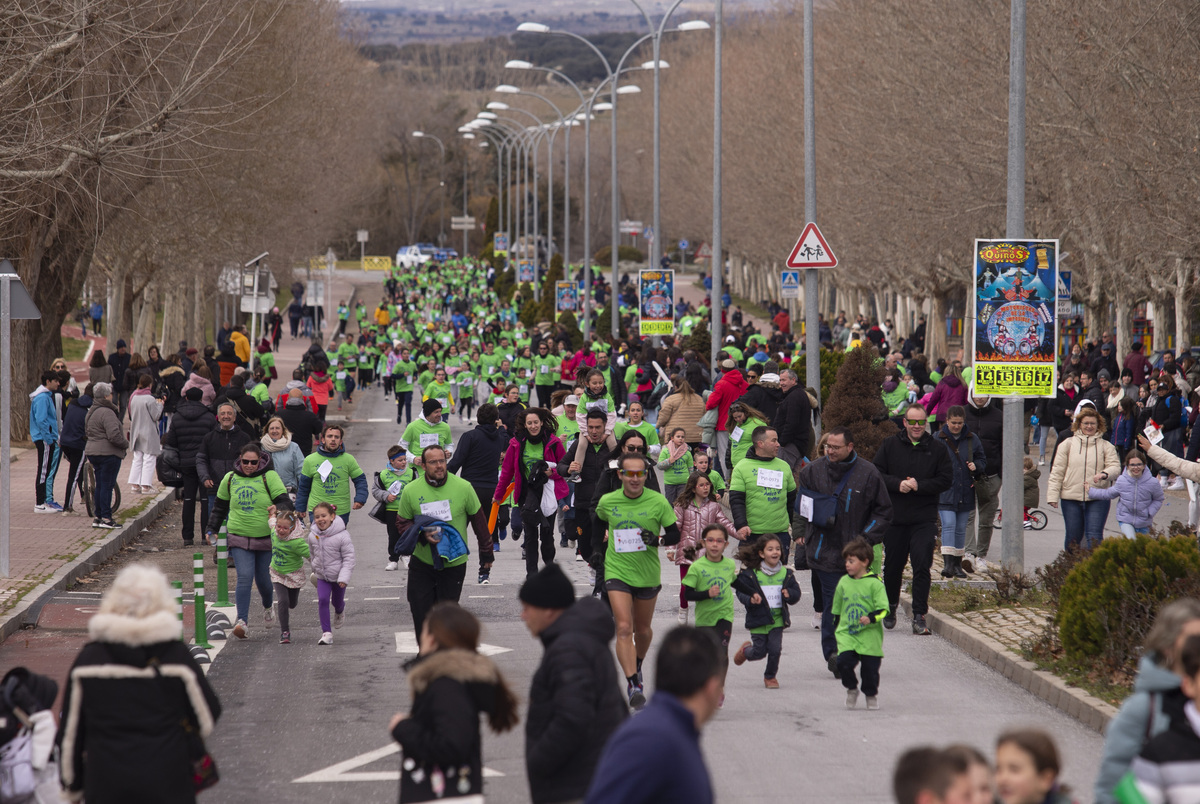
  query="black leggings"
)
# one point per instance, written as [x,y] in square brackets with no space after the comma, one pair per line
[534,533]
[286,599]
[74,473]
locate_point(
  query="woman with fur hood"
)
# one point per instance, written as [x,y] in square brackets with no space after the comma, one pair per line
[136,705]
[451,685]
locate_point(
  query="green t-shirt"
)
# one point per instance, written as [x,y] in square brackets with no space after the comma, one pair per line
[249,498]
[548,368]
[851,600]
[568,428]
[740,439]
[451,502]
[765,580]
[440,392]
[627,557]
[766,484]
[287,555]
[420,434]
[717,481]
[703,575]
[647,430]
[333,487]
[402,375]
[675,473]
[390,476]
[490,363]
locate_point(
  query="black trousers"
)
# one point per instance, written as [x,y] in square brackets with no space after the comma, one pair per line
[901,544]
[393,533]
[535,533]
[427,586]
[74,473]
[848,660]
[544,392]
[585,528]
[193,491]
[45,451]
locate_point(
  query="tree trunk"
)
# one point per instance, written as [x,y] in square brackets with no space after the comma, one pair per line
[1159,341]
[935,329]
[1122,337]
[1182,340]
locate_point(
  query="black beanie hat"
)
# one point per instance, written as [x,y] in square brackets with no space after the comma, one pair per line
[549,589]
[430,406]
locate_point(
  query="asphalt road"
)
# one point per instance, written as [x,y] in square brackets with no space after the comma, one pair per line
[304,723]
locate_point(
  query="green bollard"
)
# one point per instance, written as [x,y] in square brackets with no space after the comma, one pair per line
[178,586]
[222,569]
[198,605]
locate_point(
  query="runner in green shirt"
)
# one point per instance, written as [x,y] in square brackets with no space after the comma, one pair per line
[633,573]
[762,491]
[327,474]
[708,584]
[634,414]
[549,372]
[859,605]
[426,431]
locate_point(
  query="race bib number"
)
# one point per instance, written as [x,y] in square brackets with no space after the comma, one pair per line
[428,440]
[736,435]
[444,402]
[523,389]
[324,469]
[806,507]
[773,596]
[599,404]
[341,375]
[629,540]
[491,369]
[544,370]
[770,478]
[408,378]
[440,509]
[364,360]
[396,487]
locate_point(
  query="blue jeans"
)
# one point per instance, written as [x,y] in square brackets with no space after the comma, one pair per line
[1129,531]
[954,531]
[1084,522]
[106,468]
[829,582]
[52,473]
[253,568]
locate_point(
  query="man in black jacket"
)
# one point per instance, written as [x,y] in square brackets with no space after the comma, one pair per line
[189,426]
[986,421]
[251,418]
[595,461]
[575,701]
[916,469]
[478,455]
[793,420]
[118,361]
[219,450]
[304,425]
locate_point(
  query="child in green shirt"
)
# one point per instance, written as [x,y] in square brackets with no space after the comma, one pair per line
[700,462]
[289,548]
[708,584]
[676,462]
[766,588]
[343,381]
[859,605]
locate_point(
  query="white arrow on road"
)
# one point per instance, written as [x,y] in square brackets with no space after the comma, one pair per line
[406,642]
[341,772]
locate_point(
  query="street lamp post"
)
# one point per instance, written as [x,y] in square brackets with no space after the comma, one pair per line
[441,183]
[15,303]
[718,261]
[466,232]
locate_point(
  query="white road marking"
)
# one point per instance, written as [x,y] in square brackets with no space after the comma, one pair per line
[406,643]
[341,772]
[381,598]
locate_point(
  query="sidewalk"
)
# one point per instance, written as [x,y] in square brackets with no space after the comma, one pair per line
[48,552]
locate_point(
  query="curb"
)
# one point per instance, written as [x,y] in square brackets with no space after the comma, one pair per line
[16,619]
[1087,709]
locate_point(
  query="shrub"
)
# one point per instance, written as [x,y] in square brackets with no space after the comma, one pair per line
[624,254]
[831,361]
[1108,602]
[700,340]
[568,320]
[855,401]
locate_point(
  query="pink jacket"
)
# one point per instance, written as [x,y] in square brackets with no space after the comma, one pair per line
[693,521]
[510,470]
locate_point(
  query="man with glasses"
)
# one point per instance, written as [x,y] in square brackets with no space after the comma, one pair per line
[327,474]
[449,498]
[916,469]
[863,508]
[632,569]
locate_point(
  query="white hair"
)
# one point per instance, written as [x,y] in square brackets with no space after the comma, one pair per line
[140,590]
[102,390]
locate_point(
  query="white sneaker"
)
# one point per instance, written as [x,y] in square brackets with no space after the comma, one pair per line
[404,561]
[391,566]
[42,509]
[1041,461]
[872,702]
[816,620]
[682,616]
[240,630]
[339,617]
[579,557]
[851,698]
[1178,485]
[269,615]
[326,639]
[981,564]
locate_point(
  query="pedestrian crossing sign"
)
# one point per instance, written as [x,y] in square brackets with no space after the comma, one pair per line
[790,285]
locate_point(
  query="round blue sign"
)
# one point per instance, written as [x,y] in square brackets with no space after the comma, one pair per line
[683,244]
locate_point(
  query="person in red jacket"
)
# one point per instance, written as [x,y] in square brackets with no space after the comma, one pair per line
[728,389]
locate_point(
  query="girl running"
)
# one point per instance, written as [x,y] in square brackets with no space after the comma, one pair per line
[696,511]
[708,582]
[766,588]
[289,548]
[676,462]
[332,555]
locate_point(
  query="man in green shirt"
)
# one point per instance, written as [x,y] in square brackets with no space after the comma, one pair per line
[403,374]
[425,431]
[762,491]
[343,313]
[632,569]
[327,475]
[440,495]
[549,372]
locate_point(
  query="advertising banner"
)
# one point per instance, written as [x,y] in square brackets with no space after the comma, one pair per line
[525,271]
[500,243]
[566,295]
[656,302]
[1016,321]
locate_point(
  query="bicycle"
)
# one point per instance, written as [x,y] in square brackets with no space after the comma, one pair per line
[1036,520]
[88,490]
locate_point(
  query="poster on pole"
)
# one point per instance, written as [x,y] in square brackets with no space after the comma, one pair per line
[525,271]
[1016,320]
[566,296]
[656,295]
[500,243]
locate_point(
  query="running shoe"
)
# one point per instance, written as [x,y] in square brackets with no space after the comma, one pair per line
[889,620]
[240,630]
[391,566]
[41,509]
[739,658]
[339,617]
[108,524]
[285,638]
[851,698]
[326,639]
[484,578]
[682,616]
[637,698]
[55,508]
[872,702]
[771,683]
[816,620]
[268,615]
[920,628]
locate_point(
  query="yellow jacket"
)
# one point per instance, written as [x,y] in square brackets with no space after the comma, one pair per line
[241,346]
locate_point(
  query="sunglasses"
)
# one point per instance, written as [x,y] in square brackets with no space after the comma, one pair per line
[634,449]
[914,422]
[249,463]
[633,475]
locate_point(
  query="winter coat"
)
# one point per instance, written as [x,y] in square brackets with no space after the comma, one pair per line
[1138,499]
[511,471]
[987,422]
[575,703]
[793,420]
[1033,494]
[728,389]
[1155,702]
[144,413]
[928,462]
[595,466]
[250,412]
[692,522]
[746,586]
[1122,432]
[948,393]
[1166,768]
[102,427]
[331,552]
[764,396]
[73,433]
[119,363]
[190,424]
[174,378]
[450,688]
[1062,410]
[963,448]
[100,374]
[286,462]
[227,363]
[43,418]
[479,454]
[509,411]
[303,424]
[677,411]
[241,346]
[218,453]
[208,394]
[121,735]
[1079,458]
[864,510]
[1188,470]
[697,376]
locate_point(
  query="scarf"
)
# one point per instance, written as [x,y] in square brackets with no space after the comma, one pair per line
[676,453]
[273,445]
[768,571]
[141,392]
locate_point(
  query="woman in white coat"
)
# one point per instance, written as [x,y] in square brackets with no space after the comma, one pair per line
[144,413]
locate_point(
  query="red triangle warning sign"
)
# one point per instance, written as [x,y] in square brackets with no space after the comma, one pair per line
[812,251]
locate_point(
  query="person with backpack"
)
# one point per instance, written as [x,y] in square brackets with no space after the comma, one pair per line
[249,411]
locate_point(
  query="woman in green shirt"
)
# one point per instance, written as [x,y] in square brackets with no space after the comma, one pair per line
[635,414]
[745,419]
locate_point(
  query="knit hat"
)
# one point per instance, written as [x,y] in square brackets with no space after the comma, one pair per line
[430,406]
[191,352]
[195,393]
[549,589]
[122,345]
[728,365]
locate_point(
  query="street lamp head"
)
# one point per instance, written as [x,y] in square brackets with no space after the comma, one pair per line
[602,107]
[584,116]
[418,133]
[518,64]
[485,116]
[497,105]
[468,136]
[629,89]
[649,65]
[533,27]
[508,89]
[694,25]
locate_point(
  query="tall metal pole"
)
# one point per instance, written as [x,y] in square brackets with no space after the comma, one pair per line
[254,324]
[616,232]
[656,240]
[5,415]
[1012,549]
[466,232]
[587,221]
[812,343]
[537,221]
[718,261]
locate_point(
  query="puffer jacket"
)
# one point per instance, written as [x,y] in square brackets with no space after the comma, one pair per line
[331,552]
[73,434]
[512,472]
[102,426]
[730,387]
[190,424]
[1078,459]
[764,396]
[218,451]
[1138,499]
[1188,470]
[679,412]
[692,522]
[1032,494]
[964,447]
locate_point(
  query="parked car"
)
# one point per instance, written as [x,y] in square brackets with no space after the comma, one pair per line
[412,256]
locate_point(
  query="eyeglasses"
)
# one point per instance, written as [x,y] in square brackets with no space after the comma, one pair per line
[1132,465]
[249,463]
[632,475]
[631,449]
